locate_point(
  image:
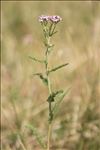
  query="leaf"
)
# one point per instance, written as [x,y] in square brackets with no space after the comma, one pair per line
[45,81]
[37,135]
[58,67]
[50,98]
[58,102]
[53,95]
[58,92]
[37,60]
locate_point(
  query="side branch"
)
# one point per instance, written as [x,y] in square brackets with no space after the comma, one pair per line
[35,59]
[59,67]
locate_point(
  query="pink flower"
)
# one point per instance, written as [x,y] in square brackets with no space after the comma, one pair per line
[43,18]
[55,19]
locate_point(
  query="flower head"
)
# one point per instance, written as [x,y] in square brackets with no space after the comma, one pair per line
[55,19]
[43,18]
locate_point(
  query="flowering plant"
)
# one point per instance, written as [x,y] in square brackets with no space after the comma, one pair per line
[49,24]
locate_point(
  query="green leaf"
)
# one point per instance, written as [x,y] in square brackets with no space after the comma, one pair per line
[58,67]
[50,98]
[44,80]
[37,135]
[58,101]
[53,95]
[37,60]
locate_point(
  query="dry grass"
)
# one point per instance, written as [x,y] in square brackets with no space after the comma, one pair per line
[77,126]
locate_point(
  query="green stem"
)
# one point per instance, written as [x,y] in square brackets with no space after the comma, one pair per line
[49,87]
[50,92]
[49,137]
[46,66]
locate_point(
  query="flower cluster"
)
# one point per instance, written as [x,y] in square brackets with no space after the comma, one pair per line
[43,18]
[54,19]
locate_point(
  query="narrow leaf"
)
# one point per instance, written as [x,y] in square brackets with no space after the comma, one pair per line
[37,74]
[58,67]
[37,60]
[44,80]
[59,100]
[53,95]
[37,135]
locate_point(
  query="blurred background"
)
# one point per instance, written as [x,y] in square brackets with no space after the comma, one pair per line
[77,125]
